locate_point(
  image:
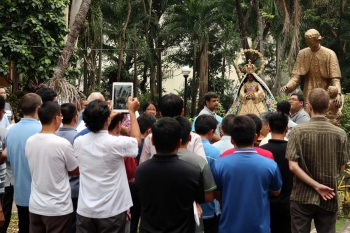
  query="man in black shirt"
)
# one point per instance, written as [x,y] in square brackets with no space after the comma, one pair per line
[168,186]
[279,206]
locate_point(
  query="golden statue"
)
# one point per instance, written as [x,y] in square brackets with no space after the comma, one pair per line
[253,94]
[320,67]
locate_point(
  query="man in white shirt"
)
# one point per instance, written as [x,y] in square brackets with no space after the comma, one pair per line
[225,142]
[104,195]
[51,159]
[171,105]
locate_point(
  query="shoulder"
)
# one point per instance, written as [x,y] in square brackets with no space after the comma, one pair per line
[327,50]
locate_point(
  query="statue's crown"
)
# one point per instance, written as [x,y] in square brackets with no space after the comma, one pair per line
[249,68]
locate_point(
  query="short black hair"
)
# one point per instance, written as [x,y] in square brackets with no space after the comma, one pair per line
[300,96]
[95,115]
[166,135]
[145,106]
[208,96]
[115,120]
[30,102]
[205,123]
[48,111]
[243,131]
[284,107]
[46,94]
[2,102]
[185,128]
[68,111]
[257,121]
[171,105]
[146,122]
[227,123]
[278,122]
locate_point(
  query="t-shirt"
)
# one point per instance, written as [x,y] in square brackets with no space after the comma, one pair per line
[195,146]
[167,187]
[194,159]
[280,204]
[224,144]
[3,132]
[104,190]
[49,166]
[69,134]
[245,179]
[260,151]
[210,209]
[15,141]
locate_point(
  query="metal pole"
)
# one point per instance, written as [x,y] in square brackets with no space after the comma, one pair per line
[185,95]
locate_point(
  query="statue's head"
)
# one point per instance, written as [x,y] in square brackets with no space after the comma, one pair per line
[313,39]
[332,91]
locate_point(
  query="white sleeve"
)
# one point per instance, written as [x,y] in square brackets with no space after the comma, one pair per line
[70,158]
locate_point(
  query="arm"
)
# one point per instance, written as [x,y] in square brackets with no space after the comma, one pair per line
[2,217]
[133,105]
[275,193]
[209,196]
[215,138]
[218,196]
[75,172]
[326,193]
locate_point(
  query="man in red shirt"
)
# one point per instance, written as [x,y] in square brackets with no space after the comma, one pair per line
[259,150]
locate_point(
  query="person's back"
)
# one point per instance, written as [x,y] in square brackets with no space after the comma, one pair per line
[167,185]
[279,206]
[244,181]
[317,155]
[15,141]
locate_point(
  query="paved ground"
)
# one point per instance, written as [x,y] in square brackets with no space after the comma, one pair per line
[345,229]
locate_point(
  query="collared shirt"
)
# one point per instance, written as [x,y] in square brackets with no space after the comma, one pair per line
[68,133]
[320,152]
[224,144]
[300,116]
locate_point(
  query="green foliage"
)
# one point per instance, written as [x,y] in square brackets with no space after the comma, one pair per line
[32,35]
[345,119]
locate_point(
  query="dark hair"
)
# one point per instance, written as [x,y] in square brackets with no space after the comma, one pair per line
[48,111]
[208,96]
[205,123]
[146,122]
[46,94]
[95,115]
[284,107]
[185,128]
[114,122]
[171,105]
[166,135]
[145,106]
[319,100]
[243,131]
[68,111]
[300,97]
[249,74]
[2,102]
[278,122]
[227,123]
[30,102]
[257,121]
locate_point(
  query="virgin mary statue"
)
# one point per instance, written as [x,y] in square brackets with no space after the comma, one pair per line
[253,95]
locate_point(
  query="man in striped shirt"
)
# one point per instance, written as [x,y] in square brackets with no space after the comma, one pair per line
[317,152]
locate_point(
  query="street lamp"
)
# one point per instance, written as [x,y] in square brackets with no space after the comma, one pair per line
[185,72]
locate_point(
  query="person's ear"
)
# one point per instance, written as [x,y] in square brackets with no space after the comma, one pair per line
[189,137]
[286,129]
[149,131]
[152,140]
[182,112]
[160,114]
[257,135]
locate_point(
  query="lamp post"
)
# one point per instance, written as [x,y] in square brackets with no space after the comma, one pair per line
[185,72]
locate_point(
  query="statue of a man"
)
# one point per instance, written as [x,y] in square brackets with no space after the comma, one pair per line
[319,66]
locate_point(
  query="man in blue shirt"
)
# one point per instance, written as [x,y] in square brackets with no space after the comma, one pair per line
[205,126]
[244,180]
[15,142]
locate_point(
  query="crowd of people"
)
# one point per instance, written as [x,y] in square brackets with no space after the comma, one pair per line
[86,168]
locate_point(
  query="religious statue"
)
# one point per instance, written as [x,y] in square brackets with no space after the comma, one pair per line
[334,111]
[253,95]
[320,69]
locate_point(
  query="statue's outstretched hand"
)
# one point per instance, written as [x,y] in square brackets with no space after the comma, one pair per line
[338,101]
[284,89]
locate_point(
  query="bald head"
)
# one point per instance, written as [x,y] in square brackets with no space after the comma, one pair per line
[95,96]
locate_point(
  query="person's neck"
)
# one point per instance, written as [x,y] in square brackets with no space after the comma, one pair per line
[71,125]
[317,115]
[184,147]
[293,112]
[213,111]
[318,48]
[277,136]
[206,136]
[143,136]
[48,129]
[32,116]
[113,132]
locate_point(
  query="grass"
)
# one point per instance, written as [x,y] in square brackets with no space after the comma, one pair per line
[340,223]
[13,227]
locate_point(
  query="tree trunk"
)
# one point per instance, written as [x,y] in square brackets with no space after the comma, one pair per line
[194,81]
[280,55]
[203,73]
[72,37]
[135,63]
[123,41]
[100,56]
[152,80]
